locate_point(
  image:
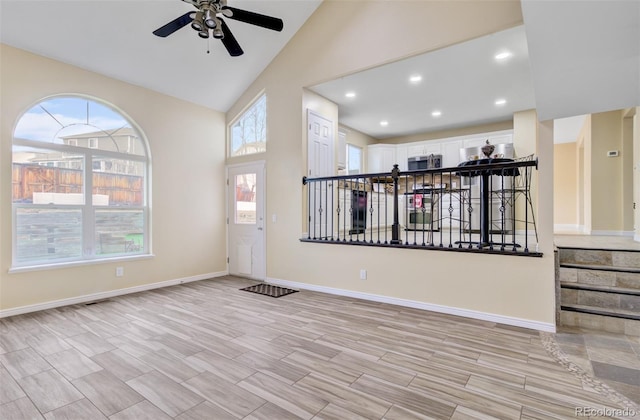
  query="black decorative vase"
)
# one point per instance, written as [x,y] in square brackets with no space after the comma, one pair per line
[488,149]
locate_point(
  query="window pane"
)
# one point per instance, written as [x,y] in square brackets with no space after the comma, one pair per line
[119,231]
[249,133]
[48,234]
[79,122]
[117,182]
[245,199]
[354,159]
[42,176]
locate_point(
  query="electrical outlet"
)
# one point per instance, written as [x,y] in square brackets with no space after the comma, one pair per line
[119,271]
[363,274]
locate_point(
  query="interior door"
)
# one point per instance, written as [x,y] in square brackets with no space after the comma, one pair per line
[246,197]
[320,163]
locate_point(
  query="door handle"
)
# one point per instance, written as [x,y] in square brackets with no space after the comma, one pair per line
[259,228]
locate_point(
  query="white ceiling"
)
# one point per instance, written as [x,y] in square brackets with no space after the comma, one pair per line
[114,38]
[573,57]
[462,82]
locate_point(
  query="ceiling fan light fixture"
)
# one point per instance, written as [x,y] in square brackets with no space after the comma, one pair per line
[197,23]
[217,33]
[203,33]
[209,19]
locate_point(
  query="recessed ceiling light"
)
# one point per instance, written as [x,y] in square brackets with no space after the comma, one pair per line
[416,78]
[436,113]
[500,102]
[350,94]
[503,55]
[384,123]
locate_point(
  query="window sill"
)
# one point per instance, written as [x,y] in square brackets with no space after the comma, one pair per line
[40,267]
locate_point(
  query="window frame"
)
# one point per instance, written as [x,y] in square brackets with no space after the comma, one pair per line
[88,254]
[241,114]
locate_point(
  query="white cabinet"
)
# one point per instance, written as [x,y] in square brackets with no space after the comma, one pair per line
[424,148]
[401,156]
[451,153]
[381,158]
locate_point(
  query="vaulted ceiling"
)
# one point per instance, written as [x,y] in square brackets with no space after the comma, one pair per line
[573,57]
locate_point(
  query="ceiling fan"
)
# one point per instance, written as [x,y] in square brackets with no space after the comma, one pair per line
[209,18]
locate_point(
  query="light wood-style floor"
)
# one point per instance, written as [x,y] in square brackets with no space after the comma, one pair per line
[207,350]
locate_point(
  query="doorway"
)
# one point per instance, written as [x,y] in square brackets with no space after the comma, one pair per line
[320,163]
[245,210]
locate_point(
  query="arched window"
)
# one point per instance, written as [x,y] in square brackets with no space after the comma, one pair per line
[79,184]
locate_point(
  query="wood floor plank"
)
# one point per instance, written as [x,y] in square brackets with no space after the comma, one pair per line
[9,388]
[82,409]
[24,362]
[231,397]
[400,413]
[311,363]
[141,411]
[49,390]
[20,409]
[72,364]
[164,393]
[403,397]
[121,364]
[343,396]
[279,369]
[270,411]
[295,400]
[219,365]
[206,411]
[379,369]
[109,394]
[466,397]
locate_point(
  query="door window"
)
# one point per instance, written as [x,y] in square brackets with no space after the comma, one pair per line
[245,203]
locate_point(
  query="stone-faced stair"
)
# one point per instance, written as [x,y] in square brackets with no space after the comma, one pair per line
[600,289]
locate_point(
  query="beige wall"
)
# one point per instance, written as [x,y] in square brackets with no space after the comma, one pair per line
[443,134]
[187,148]
[606,172]
[565,186]
[342,37]
[627,170]
[636,173]
[584,176]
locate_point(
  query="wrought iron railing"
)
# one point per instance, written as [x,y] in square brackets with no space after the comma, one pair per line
[481,206]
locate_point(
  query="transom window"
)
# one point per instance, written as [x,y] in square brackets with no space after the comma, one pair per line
[79,184]
[248,134]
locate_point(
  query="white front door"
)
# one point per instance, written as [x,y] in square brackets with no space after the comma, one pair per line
[320,164]
[246,197]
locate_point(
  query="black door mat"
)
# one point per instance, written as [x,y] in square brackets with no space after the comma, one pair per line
[269,290]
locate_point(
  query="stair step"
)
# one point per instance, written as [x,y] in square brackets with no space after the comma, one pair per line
[604,289]
[629,259]
[600,267]
[599,322]
[613,313]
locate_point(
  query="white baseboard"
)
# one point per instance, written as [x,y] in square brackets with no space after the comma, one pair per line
[468,313]
[567,228]
[612,233]
[105,295]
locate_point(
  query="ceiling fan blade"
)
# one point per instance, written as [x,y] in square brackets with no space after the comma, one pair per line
[255,18]
[229,41]
[174,25]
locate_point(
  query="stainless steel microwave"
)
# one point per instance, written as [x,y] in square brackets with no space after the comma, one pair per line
[418,163]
